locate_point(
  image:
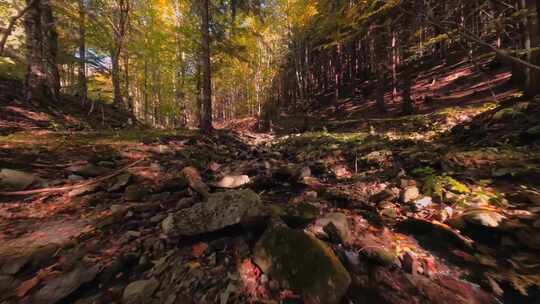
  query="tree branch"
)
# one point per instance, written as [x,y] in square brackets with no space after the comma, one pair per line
[11,25]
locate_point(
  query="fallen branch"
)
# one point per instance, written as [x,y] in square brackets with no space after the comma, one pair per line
[73,187]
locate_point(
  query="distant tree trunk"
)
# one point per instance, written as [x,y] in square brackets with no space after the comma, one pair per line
[83,88]
[42,77]
[406,70]
[532,42]
[206,77]
[379,49]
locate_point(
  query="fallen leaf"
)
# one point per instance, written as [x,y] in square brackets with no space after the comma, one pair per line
[199,249]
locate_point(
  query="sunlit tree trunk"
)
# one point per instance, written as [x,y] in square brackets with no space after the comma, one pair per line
[206,77]
[82,83]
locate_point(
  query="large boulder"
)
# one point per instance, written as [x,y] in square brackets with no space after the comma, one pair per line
[220,210]
[301,262]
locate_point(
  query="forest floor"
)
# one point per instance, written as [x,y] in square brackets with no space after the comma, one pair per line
[438,207]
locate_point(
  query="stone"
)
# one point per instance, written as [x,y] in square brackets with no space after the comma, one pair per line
[84,190]
[339,222]
[15,180]
[121,181]
[140,292]
[385,195]
[220,210]
[409,194]
[232,181]
[174,184]
[302,263]
[299,215]
[530,238]
[135,193]
[167,225]
[75,178]
[88,170]
[532,196]
[483,217]
[423,203]
[64,284]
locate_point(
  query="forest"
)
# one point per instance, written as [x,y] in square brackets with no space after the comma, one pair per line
[269,151]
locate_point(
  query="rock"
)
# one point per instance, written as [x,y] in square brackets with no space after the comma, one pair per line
[84,190]
[292,173]
[158,218]
[64,284]
[174,184]
[167,225]
[15,180]
[75,178]
[532,196]
[7,285]
[483,217]
[409,262]
[118,210]
[140,292]
[220,210]
[120,182]
[530,238]
[302,263]
[195,182]
[335,221]
[409,194]
[385,195]
[135,193]
[341,171]
[295,216]
[534,131]
[88,170]
[232,181]
[423,203]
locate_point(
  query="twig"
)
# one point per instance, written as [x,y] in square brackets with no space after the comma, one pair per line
[69,188]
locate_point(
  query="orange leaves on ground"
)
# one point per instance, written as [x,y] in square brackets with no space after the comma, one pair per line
[199,249]
[27,285]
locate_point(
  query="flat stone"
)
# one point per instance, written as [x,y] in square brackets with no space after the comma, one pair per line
[220,210]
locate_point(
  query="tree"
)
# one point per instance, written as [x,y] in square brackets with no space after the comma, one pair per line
[206,76]
[82,85]
[42,77]
[532,45]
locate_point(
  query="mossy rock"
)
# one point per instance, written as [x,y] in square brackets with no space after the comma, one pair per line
[135,193]
[302,263]
[434,186]
[295,216]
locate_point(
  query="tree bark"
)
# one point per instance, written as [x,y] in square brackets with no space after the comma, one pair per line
[83,87]
[532,43]
[42,77]
[206,102]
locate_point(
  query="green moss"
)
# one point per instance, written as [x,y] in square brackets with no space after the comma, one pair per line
[295,216]
[435,185]
[304,263]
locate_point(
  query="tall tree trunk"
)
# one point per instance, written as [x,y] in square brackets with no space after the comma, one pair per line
[532,41]
[83,87]
[206,102]
[117,90]
[42,77]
